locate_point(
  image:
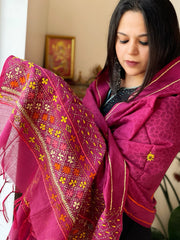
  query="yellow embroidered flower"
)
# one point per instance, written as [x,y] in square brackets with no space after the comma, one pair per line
[82,235]
[62,180]
[73,183]
[41,157]
[44,80]
[30,64]
[50,131]
[54,98]
[82,184]
[63,119]
[32,139]
[32,85]
[150,157]
[57,134]
[42,126]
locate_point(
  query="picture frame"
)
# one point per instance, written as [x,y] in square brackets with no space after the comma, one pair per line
[59,55]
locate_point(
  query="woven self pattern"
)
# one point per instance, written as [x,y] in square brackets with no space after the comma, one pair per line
[64,139]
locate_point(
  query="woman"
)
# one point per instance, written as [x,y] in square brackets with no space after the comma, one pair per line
[85,176]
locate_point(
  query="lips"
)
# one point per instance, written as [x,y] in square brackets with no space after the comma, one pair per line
[131,63]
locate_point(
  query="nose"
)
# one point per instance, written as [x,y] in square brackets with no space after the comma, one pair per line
[133,48]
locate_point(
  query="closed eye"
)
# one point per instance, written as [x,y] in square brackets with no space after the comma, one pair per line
[143,43]
[123,42]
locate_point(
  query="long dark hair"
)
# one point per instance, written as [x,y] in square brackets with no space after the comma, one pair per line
[163,37]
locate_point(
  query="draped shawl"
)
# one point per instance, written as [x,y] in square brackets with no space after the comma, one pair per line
[78,171]
[53,151]
[147,132]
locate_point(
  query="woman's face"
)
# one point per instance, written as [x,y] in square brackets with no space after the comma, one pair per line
[132,47]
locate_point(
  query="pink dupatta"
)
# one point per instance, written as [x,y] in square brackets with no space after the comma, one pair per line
[53,151]
[147,133]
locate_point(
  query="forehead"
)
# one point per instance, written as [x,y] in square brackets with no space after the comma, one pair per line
[132,22]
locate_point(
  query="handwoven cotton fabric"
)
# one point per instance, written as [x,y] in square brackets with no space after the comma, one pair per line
[54,152]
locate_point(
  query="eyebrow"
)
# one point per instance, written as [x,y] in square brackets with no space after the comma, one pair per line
[141,35]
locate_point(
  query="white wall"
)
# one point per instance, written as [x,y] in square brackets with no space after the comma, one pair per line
[13,19]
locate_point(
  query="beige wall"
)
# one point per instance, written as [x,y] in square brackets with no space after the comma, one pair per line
[87,20]
[36,30]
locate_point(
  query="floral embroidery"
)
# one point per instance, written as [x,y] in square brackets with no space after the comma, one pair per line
[73,138]
[54,197]
[22,80]
[44,80]
[63,119]
[76,205]
[14,84]
[70,159]
[30,64]
[44,117]
[68,128]
[57,166]
[60,156]
[38,106]
[66,169]
[76,172]
[82,158]
[62,218]
[42,126]
[57,134]
[32,139]
[32,85]
[18,71]
[51,119]
[50,130]
[54,98]
[47,177]
[52,153]
[73,183]
[62,180]
[82,184]
[29,106]
[47,107]
[9,75]
[41,157]
[150,157]
[82,235]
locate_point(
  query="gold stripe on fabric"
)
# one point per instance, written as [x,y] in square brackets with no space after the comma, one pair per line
[164,87]
[164,72]
[9,90]
[113,108]
[35,129]
[111,182]
[98,93]
[123,197]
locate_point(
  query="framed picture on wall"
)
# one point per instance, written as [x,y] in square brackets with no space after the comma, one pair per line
[59,55]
